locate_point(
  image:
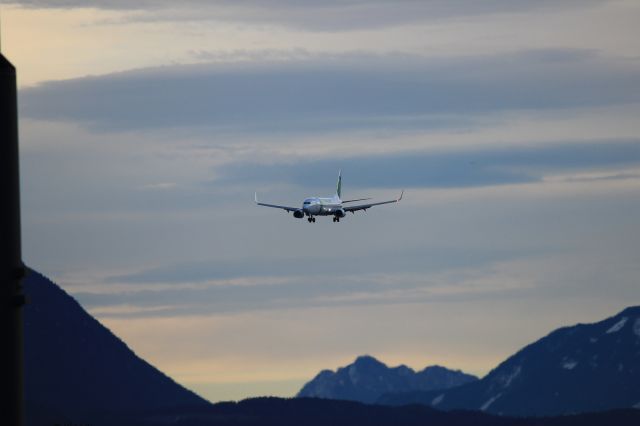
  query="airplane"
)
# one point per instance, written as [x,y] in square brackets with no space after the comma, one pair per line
[333,206]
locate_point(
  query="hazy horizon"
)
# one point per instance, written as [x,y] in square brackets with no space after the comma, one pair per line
[512,127]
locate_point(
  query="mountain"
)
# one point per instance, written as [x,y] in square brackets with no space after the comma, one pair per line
[76,369]
[78,372]
[321,412]
[583,368]
[366,379]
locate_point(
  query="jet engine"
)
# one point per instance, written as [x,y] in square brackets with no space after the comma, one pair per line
[340,213]
[298,214]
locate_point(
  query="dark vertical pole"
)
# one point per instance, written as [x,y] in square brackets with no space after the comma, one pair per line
[11,267]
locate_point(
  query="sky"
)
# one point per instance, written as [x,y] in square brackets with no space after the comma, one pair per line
[146,127]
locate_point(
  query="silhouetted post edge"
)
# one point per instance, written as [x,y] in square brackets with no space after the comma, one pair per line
[12,269]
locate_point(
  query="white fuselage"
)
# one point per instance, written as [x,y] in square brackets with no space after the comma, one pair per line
[316,206]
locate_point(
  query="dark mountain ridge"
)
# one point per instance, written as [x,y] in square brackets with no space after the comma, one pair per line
[366,379]
[321,412]
[582,368]
[75,368]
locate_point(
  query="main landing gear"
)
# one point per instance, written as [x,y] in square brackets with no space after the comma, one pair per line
[313,219]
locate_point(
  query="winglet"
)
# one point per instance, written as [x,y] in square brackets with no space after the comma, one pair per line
[401,194]
[256,197]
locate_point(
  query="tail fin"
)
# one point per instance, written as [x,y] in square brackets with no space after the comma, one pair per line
[339,184]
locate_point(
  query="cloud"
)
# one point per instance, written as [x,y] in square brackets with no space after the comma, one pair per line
[444,169]
[160,186]
[597,177]
[332,15]
[280,282]
[353,92]
[328,289]
[434,259]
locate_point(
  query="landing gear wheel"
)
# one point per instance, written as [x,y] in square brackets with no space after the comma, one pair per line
[313,219]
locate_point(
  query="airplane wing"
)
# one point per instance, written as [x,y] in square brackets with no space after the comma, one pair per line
[364,207]
[289,209]
[351,201]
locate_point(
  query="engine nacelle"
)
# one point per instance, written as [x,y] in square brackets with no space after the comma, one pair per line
[298,214]
[340,213]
